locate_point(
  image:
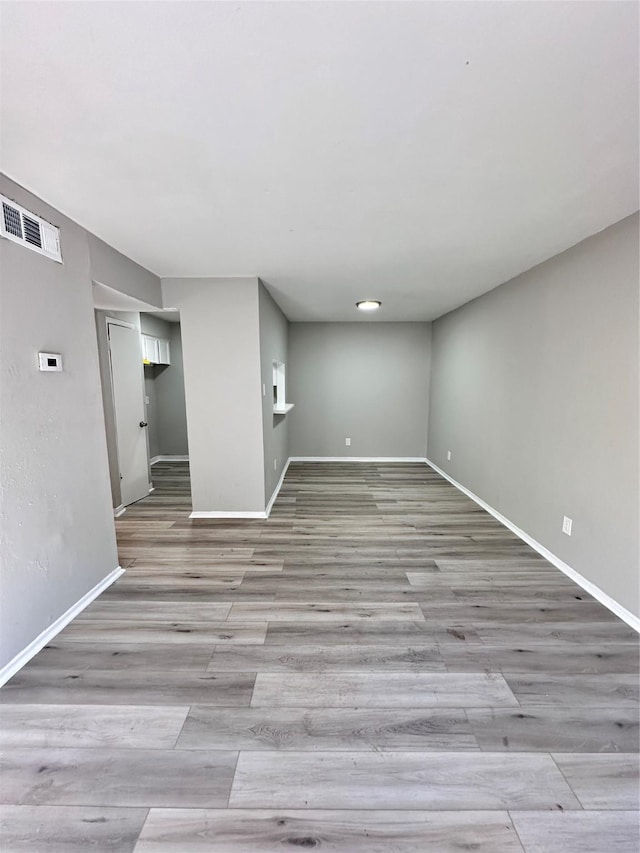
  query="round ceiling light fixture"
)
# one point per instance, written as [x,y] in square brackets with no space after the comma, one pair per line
[368,305]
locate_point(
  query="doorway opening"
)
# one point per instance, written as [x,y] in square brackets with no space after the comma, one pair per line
[140,354]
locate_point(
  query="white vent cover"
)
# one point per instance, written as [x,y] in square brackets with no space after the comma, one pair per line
[21,226]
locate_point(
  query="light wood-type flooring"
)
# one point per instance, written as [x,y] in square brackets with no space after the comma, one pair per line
[380,667]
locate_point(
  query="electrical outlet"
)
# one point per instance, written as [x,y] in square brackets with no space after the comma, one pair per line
[347,442]
[275,464]
[448,456]
[567,524]
[264,390]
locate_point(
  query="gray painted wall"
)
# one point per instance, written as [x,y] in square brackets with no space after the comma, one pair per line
[57,521]
[151,411]
[154,326]
[164,386]
[221,356]
[116,270]
[534,390]
[159,329]
[172,412]
[274,336]
[366,381]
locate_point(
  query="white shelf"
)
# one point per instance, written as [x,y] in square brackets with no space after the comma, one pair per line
[284,409]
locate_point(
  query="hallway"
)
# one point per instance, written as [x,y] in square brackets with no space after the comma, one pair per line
[380,666]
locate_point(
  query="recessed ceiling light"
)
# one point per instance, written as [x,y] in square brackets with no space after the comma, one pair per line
[368,305]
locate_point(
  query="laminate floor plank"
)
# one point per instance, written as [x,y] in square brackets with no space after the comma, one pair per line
[128,687]
[175,778]
[393,780]
[268,831]
[329,658]
[379,666]
[76,656]
[284,611]
[128,630]
[138,727]
[551,728]
[578,832]
[513,614]
[154,611]
[602,781]
[549,657]
[376,632]
[69,829]
[619,690]
[581,631]
[381,690]
[325,729]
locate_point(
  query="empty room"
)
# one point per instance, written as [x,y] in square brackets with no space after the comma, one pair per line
[319,420]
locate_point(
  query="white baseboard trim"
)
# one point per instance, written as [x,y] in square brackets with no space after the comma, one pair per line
[599,594]
[276,491]
[219,514]
[119,510]
[155,459]
[23,657]
[265,514]
[357,459]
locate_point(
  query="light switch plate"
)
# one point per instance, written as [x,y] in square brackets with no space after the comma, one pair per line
[50,361]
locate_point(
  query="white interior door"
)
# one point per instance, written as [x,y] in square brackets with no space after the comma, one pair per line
[128,400]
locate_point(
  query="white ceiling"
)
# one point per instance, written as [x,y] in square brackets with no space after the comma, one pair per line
[417,153]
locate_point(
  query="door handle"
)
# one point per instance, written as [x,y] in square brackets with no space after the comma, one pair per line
[143,424]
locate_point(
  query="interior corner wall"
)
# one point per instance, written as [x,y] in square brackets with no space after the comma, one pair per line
[274,342]
[367,381]
[57,520]
[534,390]
[219,320]
[171,409]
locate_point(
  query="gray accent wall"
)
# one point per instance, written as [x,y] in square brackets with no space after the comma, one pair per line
[114,269]
[171,409]
[159,329]
[151,411]
[164,386]
[58,537]
[221,356]
[365,381]
[154,326]
[534,390]
[274,340]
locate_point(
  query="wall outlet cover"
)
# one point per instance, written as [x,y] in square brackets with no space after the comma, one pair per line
[347,442]
[567,524]
[448,456]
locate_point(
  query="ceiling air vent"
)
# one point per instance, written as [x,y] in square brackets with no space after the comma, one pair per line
[21,226]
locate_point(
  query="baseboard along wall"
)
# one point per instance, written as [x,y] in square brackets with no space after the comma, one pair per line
[599,594]
[156,459]
[23,657]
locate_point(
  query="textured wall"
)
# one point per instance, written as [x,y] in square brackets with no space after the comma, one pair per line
[221,356]
[365,381]
[57,520]
[534,390]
